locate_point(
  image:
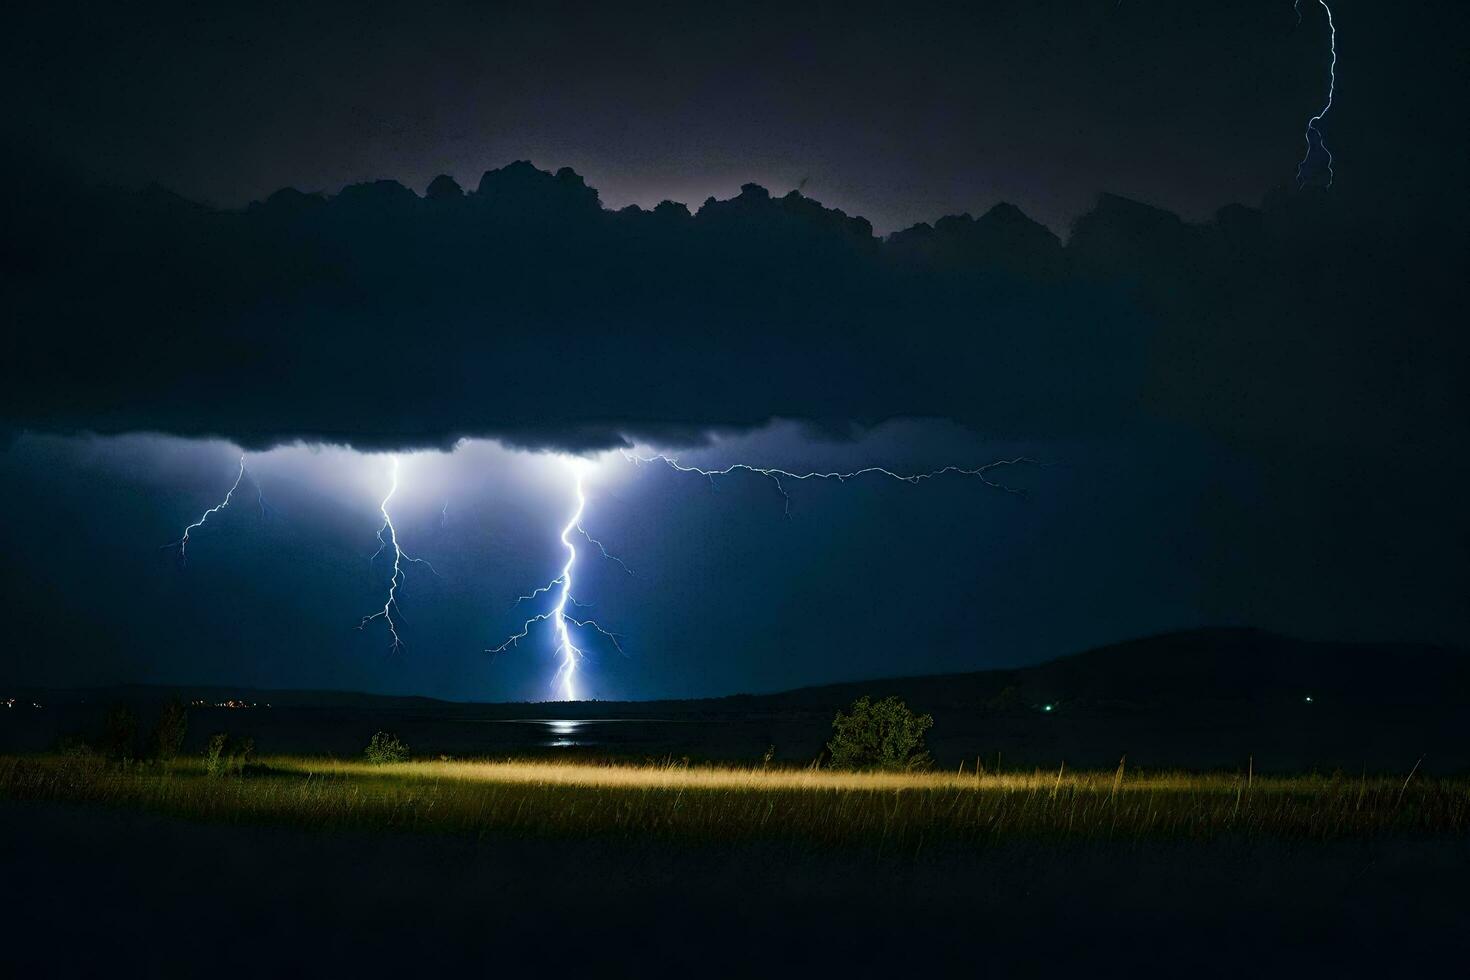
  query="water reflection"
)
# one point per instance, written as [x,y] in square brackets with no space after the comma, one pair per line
[565,732]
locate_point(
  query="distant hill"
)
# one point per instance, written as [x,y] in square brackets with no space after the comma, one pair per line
[1170,669]
[215,694]
[1196,699]
[1173,669]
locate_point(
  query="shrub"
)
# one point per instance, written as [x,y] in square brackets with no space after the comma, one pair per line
[385,747]
[883,735]
[120,734]
[216,756]
[224,755]
[168,735]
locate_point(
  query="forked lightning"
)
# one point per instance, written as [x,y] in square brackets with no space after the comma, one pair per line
[565,681]
[388,538]
[183,543]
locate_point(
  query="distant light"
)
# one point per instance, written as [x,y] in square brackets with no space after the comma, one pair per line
[1309,699]
[1047,707]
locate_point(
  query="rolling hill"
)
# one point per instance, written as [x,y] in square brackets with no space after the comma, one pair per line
[1200,699]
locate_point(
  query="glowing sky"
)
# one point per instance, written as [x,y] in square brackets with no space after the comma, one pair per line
[863,579]
[896,113]
[1257,420]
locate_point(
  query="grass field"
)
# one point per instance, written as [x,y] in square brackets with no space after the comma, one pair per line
[901,812]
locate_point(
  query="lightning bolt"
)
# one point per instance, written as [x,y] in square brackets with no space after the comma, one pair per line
[776,476]
[602,549]
[388,538]
[1313,135]
[183,543]
[561,586]
[565,681]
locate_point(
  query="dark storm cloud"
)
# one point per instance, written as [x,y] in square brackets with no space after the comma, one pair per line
[525,311]
[897,112]
[900,113]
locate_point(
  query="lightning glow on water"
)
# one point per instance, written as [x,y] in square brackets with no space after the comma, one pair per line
[388,539]
[1313,136]
[182,545]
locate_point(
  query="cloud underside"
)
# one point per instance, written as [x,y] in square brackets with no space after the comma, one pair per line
[524,311]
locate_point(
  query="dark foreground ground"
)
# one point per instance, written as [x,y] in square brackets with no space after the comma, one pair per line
[95,891]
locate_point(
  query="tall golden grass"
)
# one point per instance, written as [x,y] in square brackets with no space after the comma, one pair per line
[716,803]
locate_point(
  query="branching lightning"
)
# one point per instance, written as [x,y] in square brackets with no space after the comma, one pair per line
[776,476]
[561,586]
[602,549]
[388,539]
[182,545]
[1313,135]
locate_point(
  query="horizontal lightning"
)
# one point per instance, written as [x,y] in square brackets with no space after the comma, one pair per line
[776,476]
[561,586]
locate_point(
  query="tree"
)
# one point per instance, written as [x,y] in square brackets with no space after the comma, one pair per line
[121,733]
[883,735]
[168,735]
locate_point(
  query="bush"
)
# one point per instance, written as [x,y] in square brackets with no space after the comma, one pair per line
[385,747]
[215,757]
[223,755]
[885,735]
[168,735]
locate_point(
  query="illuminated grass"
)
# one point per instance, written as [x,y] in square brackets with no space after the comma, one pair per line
[719,804]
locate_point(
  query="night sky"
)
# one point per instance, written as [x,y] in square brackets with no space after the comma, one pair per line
[900,113]
[1251,416]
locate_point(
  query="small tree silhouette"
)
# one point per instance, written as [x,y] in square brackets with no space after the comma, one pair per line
[173,724]
[882,735]
[120,735]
